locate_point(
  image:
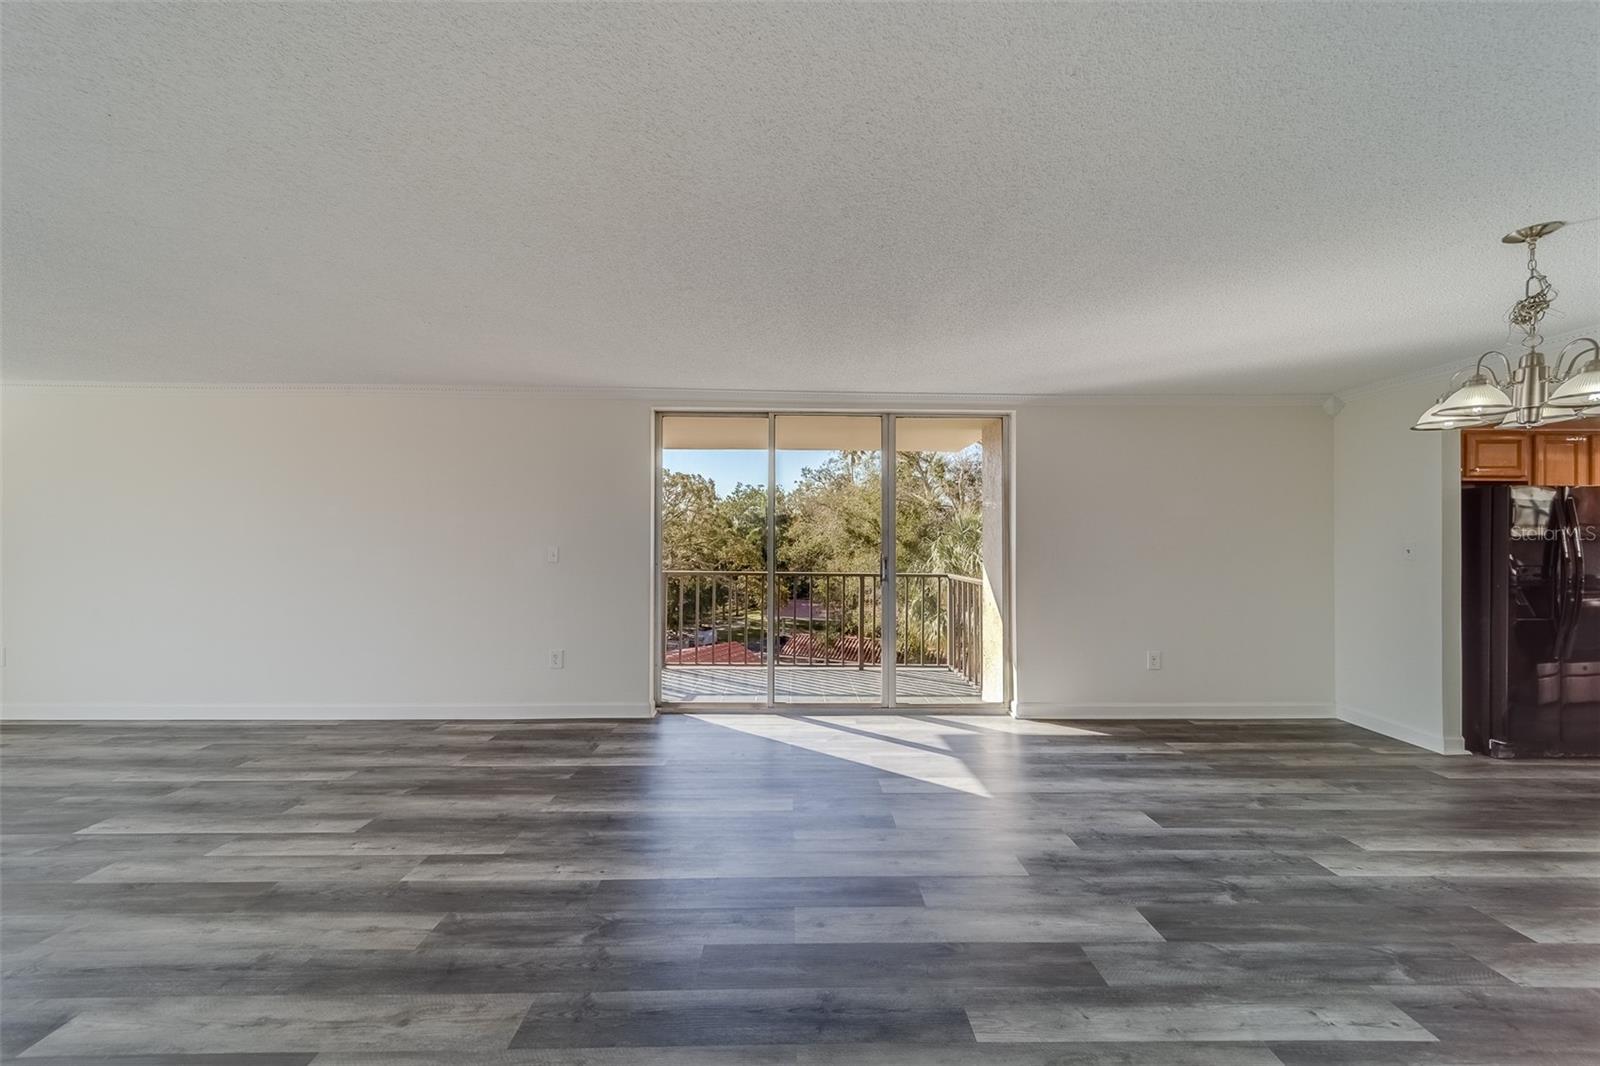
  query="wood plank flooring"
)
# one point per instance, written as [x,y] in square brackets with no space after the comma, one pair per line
[881,890]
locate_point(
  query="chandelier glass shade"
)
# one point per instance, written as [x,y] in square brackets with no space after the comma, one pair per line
[1431,419]
[1480,398]
[1531,392]
[1562,414]
[1581,388]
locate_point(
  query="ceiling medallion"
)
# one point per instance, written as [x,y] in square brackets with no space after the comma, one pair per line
[1533,392]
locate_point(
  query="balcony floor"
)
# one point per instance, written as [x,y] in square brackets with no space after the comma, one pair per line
[931,685]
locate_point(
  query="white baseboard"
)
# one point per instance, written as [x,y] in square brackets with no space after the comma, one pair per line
[1406,734]
[1204,710]
[317,712]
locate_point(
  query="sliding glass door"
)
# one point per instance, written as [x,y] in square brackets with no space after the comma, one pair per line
[713,513]
[830,564]
[795,568]
[950,532]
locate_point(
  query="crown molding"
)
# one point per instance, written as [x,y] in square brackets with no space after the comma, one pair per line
[717,397]
[1437,372]
[1440,371]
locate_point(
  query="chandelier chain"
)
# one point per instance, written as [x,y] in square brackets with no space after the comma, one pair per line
[1538,295]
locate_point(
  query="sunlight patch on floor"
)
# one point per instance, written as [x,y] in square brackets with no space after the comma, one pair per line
[899,746]
[1023,726]
[911,731]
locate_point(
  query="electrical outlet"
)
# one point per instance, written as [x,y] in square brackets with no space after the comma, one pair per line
[552,554]
[558,659]
[1152,660]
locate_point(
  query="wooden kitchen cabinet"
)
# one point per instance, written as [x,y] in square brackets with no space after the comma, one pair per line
[1563,458]
[1493,455]
[1565,454]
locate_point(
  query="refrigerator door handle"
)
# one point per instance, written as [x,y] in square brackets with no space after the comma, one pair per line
[1575,531]
[1561,580]
[1569,583]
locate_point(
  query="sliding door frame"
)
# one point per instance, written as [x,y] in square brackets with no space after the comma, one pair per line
[770,645]
[889,623]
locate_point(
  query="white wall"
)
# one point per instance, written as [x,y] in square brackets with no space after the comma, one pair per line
[1204,533]
[1397,559]
[217,551]
[345,552]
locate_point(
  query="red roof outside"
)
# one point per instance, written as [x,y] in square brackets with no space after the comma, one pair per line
[800,649]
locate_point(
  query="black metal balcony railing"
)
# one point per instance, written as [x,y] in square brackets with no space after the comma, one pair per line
[718,618]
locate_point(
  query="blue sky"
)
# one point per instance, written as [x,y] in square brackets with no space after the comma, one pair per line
[726,467]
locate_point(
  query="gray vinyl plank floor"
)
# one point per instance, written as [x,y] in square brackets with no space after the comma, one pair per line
[884,890]
[1314,1017]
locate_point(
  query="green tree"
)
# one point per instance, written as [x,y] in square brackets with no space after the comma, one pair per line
[745,509]
[939,512]
[700,531]
[833,517]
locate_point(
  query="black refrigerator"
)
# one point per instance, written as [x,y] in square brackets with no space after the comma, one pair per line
[1531,620]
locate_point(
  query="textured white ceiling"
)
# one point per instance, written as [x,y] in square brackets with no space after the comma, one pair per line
[989,198]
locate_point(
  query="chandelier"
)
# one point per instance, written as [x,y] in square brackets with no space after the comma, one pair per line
[1533,392]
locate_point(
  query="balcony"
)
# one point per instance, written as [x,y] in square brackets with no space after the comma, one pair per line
[829,630]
